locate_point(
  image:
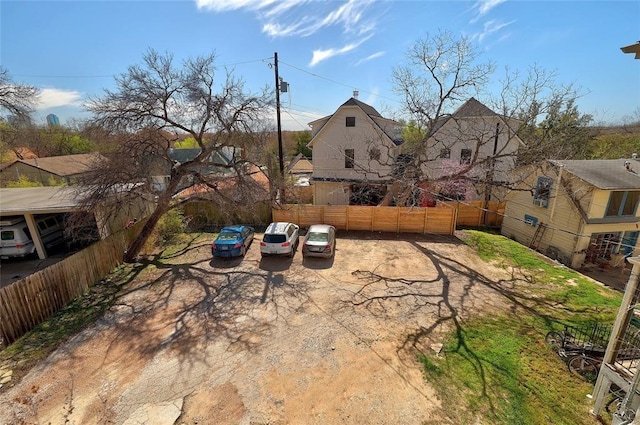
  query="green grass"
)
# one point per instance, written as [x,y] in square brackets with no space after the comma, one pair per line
[497,369]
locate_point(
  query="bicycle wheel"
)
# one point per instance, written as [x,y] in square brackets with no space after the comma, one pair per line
[584,367]
[555,340]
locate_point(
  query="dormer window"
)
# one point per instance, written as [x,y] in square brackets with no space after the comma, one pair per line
[351,121]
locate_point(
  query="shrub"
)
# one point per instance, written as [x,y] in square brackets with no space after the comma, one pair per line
[170,225]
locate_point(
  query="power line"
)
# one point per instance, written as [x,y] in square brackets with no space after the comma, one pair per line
[352,86]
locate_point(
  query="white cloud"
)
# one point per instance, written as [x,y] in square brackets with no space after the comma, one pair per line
[287,18]
[489,28]
[370,57]
[51,98]
[226,5]
[320,55]
[483,7]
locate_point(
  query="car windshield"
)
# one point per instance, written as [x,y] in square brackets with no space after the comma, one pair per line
[274,238]
[228,236]
[318,237]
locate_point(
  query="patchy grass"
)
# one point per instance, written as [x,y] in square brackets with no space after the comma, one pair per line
[498,369]
[76,316]
[37,344]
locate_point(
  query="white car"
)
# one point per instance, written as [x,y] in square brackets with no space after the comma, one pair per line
[280,239]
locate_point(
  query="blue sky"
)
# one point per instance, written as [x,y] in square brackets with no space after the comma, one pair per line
[72,49]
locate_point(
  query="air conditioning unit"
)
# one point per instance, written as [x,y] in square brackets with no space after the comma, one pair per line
[544,203]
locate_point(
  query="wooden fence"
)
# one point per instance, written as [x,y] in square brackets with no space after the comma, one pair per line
[27,302]
[473,214]
[439,220]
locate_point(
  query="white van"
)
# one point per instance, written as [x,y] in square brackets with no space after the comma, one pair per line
[16,240]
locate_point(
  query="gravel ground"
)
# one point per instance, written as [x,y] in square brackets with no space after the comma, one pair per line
[266,341]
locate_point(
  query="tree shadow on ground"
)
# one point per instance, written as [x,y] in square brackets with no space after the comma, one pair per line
[165,304]
[451,296]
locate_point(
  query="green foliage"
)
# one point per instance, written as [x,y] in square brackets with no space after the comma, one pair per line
[188,143]
[614,145]
[24,182]
[413,136]
[563,134]
[302,139]
[169,227]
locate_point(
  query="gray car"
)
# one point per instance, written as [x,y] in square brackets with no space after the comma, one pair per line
[320,241]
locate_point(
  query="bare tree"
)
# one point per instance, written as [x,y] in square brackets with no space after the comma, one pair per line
[532,118]
[17,99]
[153,104]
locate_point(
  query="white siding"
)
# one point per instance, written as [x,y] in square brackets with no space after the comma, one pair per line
[335,137]
[325,193]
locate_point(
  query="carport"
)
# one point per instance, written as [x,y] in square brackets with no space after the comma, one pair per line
[31,201]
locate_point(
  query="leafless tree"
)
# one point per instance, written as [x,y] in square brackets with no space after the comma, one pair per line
[17,99]
[153,104]
[442,73]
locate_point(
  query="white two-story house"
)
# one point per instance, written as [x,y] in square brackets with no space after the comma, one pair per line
[475,139]
[354,151]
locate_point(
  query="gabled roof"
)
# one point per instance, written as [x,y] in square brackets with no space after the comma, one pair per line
[368,109]
[471,108]
[299,164]
[605,174]
[65,165]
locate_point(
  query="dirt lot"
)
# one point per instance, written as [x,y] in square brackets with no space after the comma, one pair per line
[266,341]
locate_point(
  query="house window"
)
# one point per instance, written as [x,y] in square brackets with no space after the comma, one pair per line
[374,154]
[349,156]
[530,220]
[543,191]
[465,156]
[351,121]
[446,153]
[622,204]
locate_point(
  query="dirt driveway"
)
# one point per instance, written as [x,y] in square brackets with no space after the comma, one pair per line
[265,341]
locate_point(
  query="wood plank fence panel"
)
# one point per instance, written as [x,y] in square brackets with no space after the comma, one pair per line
[336,215]
[385,219]
[26,303]
[412,220]
[308,215]
[440,220]
[360,218]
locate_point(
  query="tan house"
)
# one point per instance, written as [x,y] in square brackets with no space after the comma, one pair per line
[53,170]
[473,134]
[353,150]
[579,212]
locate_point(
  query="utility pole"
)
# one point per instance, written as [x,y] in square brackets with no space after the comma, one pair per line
[275,66]
[490,176]
[280,85]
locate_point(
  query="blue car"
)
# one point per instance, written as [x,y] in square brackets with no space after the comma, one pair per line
[232,241]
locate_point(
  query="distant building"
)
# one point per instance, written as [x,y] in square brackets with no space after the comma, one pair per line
[52,119]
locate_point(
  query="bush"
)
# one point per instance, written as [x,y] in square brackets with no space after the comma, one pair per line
[170,225]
